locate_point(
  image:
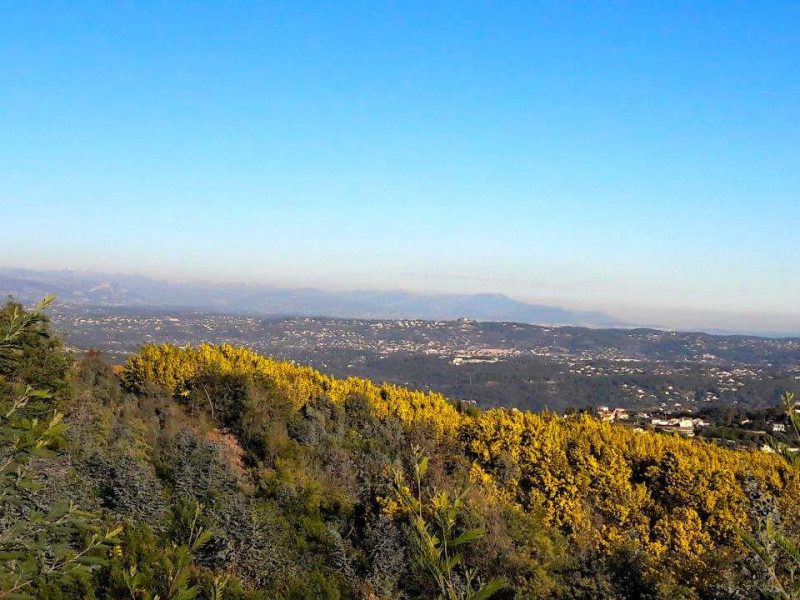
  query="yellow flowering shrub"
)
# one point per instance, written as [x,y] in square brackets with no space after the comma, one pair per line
[681,502]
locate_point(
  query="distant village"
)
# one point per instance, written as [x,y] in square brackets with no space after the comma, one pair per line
[689,426]
[686,426]
[665,381]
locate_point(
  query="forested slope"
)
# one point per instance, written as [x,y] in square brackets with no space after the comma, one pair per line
[213,472]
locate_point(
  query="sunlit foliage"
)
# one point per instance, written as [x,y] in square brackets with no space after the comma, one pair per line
[223,474]
[676,504]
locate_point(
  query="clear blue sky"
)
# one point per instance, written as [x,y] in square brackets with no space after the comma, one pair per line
[642,158]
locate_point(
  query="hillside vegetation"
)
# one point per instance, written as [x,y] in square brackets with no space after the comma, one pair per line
[213,472]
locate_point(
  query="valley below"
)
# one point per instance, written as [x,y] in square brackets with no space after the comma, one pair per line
[490,364]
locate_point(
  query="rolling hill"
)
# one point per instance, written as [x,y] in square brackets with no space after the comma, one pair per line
[99,289]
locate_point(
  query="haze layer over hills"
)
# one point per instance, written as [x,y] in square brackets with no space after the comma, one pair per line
[99,289]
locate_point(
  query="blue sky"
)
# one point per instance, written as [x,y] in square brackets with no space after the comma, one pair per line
[642,158]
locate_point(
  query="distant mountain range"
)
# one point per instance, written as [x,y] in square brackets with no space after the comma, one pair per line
[82,288]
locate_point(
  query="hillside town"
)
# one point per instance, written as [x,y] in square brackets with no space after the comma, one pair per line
[660,380]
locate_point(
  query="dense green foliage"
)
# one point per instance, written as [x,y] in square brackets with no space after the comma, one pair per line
[213,472]
[47,544]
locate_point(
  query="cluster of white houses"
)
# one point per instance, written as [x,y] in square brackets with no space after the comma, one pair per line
[683,425]
[688,426]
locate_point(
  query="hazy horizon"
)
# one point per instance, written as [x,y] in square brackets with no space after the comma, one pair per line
[635,159]
[781,325]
